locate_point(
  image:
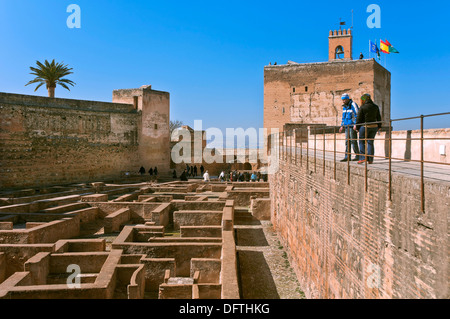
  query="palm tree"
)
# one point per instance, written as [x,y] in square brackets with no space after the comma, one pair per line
[51,74]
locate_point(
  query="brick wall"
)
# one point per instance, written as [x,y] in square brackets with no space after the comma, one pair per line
[311,92]
[344,242]
[55,141]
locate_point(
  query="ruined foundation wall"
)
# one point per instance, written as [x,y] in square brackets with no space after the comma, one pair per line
[344,242]
[47,141]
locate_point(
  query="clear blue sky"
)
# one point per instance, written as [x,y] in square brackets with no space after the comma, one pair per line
[210,55]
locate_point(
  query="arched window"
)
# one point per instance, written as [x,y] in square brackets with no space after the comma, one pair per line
[339,53]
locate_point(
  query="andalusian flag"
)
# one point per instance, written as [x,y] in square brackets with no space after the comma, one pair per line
[386,47]
[391,48]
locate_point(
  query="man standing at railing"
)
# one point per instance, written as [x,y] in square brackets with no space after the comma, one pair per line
[349,116]
[369,117]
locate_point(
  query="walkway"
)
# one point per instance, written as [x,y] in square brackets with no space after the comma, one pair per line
[264,269]
[432,172]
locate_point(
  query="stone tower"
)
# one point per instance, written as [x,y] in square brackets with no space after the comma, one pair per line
[310,93]
[340,44]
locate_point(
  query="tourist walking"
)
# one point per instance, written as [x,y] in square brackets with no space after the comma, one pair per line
[206,177]
[349,116]
[150,171]
[369,116]
[142,170]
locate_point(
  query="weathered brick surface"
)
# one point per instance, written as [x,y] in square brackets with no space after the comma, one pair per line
[48,142]
[347,243]
[311,92]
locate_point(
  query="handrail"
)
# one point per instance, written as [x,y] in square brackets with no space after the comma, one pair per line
[288,146]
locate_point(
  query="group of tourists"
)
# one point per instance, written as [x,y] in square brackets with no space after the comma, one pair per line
[365,120]
[236,176]
[188,172]
[152,171]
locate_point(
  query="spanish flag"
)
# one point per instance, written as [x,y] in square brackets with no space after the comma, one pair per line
[384,47]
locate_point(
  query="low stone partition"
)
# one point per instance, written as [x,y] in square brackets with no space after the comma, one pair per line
[16,255]
[182,252]
[154,271]
[115,220]
[242,196]
[95,198]
[201,231]
[228,275]
[45,277]
[80,245]
[196,218]
[161,214]
[209,269]
[139,211]
[47,233]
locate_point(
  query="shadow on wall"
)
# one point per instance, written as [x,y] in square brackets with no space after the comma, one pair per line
[255,276]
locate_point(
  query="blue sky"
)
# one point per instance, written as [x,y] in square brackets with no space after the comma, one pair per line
[211,55]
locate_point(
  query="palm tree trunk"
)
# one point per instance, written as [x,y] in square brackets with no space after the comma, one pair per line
[51,91]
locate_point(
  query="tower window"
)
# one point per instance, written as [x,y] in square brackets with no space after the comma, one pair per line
[306,89]
[293,90]
[283,110]
[156,126]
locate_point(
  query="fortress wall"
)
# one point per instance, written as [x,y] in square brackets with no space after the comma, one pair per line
[311,92]
[344,242]
[47,141]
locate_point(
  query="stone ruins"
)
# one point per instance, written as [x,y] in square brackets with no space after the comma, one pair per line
[134,240]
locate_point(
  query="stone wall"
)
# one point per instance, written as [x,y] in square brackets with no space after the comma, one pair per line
[51,141]
[47,141]
[311,92]
[153,125]
[344,242]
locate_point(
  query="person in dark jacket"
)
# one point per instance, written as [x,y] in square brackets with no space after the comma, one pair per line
[142,170]
[183,176]
[369,117]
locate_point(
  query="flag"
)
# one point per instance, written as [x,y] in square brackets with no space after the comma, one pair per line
[391,48]
[374,48]
[384,47]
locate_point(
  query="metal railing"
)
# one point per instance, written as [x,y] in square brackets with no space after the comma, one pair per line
[290,151]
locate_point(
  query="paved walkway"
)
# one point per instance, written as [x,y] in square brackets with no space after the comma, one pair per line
[264,269]
[432,172]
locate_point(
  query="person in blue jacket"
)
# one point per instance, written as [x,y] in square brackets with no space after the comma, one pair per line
[349,116]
